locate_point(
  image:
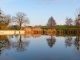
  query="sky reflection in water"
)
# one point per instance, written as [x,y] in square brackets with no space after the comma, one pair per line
[40,48]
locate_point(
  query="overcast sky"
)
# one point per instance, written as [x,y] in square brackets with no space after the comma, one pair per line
[39,11]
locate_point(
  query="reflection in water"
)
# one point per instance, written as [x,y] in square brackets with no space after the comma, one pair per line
[27,35]
[36,35]
[20,45]
[4,43]
[68,41]
[77,44]
[51,41]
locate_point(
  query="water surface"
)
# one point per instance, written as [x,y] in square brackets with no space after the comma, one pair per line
[39,48]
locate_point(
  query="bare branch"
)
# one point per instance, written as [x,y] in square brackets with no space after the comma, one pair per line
[21,18]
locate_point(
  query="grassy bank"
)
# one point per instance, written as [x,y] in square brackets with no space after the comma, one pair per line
[58,27]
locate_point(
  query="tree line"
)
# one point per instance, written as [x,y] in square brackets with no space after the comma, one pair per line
[19,19]
[69,22]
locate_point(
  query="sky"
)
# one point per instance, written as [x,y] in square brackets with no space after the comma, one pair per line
[39,11]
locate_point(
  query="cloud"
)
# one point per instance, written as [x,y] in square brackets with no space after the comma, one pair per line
[49,2]
[42,3]
[55,2]
[4,1]
[58,2]
[75,1]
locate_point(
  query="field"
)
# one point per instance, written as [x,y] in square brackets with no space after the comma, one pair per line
[59,27]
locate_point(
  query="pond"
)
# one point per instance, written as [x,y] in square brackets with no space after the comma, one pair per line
[18,47]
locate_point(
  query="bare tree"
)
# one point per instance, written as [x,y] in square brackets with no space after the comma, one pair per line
[76,16]
[1,17]
[20,19]
[51,22]
[7,19]
[4,20]
[69,22]
[77,12]
[75,22]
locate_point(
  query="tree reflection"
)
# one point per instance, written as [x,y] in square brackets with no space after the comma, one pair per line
[77,42]
[36,35]
[51,41]
[4,43]
[68,41]
[21,45]
[1,46]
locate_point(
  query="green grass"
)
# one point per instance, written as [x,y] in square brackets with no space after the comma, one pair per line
[45,27]
[58,27]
